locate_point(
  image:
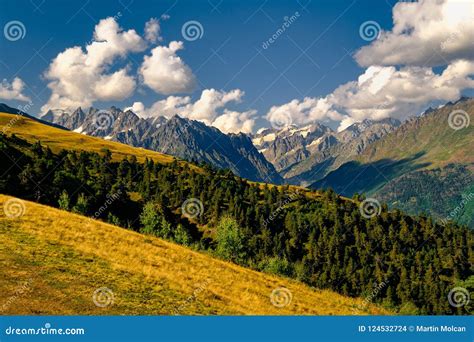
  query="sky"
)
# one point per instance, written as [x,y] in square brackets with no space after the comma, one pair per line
[238,65]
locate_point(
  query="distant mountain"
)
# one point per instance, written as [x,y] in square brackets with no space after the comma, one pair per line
[290,145]
[305,155]
[423,166]
[193,140]
[180,137]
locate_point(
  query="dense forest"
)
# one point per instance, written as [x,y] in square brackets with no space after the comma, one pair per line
[447,193]
[404,262]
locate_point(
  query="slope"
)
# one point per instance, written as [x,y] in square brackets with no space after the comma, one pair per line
[425,154]
[53,261]
[58,139]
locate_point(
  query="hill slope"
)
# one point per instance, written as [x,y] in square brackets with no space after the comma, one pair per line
[418,155]
[58,139]
[53,261]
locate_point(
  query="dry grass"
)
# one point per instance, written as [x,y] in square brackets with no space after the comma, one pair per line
[65,257]
[58,139]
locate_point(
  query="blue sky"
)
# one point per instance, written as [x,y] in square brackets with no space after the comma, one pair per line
[310,59]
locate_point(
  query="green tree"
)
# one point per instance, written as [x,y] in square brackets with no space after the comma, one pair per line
[64,201]
[182,236]
[150,219]
[230,240]
[82,204]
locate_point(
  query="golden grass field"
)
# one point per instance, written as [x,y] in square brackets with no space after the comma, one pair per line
[53,261]
[58,139]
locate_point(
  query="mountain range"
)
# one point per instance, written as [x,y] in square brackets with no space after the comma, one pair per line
[183,138]
[318,238]
[420,165]
[425,165]
[304,155]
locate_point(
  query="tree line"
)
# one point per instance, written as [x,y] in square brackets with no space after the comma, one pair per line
[318,238]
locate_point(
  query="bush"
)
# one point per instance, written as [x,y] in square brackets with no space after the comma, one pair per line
[278,266]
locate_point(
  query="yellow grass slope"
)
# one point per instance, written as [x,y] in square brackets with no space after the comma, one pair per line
[58,139]
[53,261]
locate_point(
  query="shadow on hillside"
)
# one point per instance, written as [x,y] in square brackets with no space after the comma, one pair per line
[318,170]
[354,177]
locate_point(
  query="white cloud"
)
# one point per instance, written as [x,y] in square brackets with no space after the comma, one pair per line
[152,31]
[167,107]
[425,33]
[115,86]
[207,108]
[302,112]
[403,92]
[382,92]
[79,78]
[165,72]
[235,122]
[13,90]
[399,81]
[210,108]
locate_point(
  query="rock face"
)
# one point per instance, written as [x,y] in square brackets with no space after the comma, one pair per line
[305,155]
[180,137]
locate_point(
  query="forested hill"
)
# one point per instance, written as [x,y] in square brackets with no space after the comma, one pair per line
[319,238]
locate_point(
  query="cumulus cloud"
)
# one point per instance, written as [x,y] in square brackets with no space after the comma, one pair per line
[78,77]
[300,112]
[210,108]
[13,90]
[425,33]
[207,107]
[399,80]
[152,31]
[235,122]
[165,72]
[382,92]
[168,107]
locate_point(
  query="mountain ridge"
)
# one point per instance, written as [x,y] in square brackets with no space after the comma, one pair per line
[181,137]
[421,151]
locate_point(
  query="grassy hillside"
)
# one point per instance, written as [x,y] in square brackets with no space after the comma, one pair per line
[428,140]
[53,261]
[58,139]
[424,166]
